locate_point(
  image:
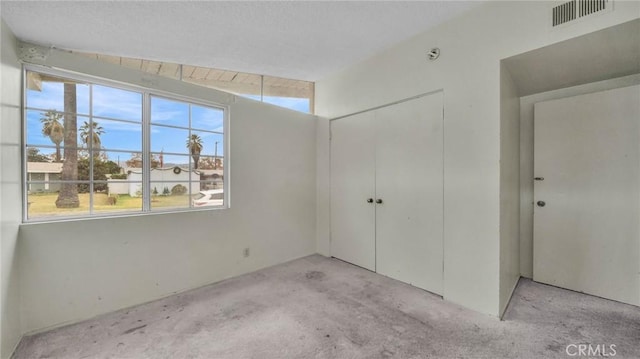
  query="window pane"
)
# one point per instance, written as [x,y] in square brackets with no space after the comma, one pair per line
[208,197]
[117,160]
[292,103]
[211,144]
[117,135]
[47,128]
[172,168]
[207,118]
[42,160]
[38,121]
[105,165]
[292,94]
[120,196]
[47,92]
[41,203]
[42,155]
[168,139]
[42,171]
[131,161]
[211,179]
[116,103]
[207,164]
[168,195]
[170,113]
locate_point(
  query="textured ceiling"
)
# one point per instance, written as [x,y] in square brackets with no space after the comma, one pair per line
[300,40]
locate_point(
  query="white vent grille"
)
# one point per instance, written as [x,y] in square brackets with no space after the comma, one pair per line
[564,13]
[576,9]
[588,7]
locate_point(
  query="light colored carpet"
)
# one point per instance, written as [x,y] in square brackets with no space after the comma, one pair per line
[317,307]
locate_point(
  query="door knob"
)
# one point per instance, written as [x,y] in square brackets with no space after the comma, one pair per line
[369,200]
[378,200]
[541,204]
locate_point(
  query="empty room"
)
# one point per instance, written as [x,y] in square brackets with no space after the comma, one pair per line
[320,179]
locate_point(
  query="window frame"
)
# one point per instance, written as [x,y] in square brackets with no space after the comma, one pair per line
[147,93]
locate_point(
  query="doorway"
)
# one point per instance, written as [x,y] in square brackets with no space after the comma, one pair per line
[587,193]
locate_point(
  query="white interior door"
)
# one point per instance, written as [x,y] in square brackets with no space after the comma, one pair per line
[352,184]
[409,181]
[586,236]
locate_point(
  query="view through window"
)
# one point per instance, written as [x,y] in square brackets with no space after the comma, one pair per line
[94,149]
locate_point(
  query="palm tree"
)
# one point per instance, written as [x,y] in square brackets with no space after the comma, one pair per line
[194,144]
[90,134]
[52,128]
[68,196]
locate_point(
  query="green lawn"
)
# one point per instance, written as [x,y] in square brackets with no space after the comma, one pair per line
[44,204]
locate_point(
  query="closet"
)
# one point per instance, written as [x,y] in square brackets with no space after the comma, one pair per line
[387,190]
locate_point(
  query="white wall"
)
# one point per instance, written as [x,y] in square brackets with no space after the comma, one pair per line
[526,156]
[468,71]
[509,187]
[10,189]
[74,270]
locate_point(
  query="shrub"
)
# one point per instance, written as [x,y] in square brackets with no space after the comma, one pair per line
[119,176]
[166,192]
[100,169]
[112,199]
[178,190]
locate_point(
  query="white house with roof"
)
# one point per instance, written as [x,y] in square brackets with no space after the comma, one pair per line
[46,172]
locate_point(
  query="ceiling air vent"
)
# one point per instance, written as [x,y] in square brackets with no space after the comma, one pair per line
[576,9]
[588,7]
[564,13]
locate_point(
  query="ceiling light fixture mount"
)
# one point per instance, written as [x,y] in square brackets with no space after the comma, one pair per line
[433,54]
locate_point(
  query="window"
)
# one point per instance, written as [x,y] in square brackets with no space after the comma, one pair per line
[293,94]
[93,148]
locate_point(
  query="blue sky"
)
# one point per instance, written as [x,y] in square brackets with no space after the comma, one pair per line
[298,104]
[126,134]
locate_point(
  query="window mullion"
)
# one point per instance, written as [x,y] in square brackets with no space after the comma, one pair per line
[25,174]
[146,152]
[89,148]
[191,164]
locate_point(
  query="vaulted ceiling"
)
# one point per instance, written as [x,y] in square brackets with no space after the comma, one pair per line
[304,40]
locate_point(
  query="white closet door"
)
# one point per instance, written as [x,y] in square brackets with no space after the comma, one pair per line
[352,184]
[409,181]
[586,233]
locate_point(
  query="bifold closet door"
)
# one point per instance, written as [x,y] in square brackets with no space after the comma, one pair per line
[409,182]
[352,185]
